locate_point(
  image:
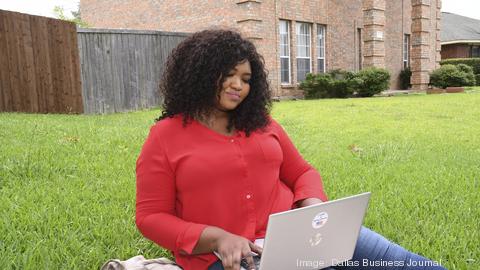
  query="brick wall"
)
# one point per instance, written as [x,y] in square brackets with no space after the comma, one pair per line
[259,21]
[398,23]
[342,23]
[425,41]
[165,15]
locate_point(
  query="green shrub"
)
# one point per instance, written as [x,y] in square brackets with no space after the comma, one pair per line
[339,83]
[450,75]
[469,76]
[477,79]
[340,88]
[473,62]
[405,76]
[340,74]
[371,81]
[334,84]
[343,83]
[316,85]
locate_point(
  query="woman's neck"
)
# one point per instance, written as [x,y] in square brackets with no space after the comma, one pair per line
[217,121]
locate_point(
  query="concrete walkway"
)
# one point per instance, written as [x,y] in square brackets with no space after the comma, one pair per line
[389,93]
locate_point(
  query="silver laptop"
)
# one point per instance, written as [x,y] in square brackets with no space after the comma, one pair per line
[312,237]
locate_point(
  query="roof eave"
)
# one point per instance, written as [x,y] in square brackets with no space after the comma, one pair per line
[469,41]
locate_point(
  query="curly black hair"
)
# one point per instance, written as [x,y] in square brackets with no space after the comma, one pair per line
[196,69]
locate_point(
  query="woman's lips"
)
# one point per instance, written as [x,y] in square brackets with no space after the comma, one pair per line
[233,96]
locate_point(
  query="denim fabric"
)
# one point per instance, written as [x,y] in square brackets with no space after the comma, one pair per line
[374,252]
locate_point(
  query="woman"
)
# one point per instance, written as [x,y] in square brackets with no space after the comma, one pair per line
[216,165]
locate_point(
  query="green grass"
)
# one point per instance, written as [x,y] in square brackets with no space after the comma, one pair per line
[67,182]
[472,88]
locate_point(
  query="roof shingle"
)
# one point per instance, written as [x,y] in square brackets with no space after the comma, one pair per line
[456,27]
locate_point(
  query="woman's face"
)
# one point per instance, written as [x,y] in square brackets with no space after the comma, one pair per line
[235,88]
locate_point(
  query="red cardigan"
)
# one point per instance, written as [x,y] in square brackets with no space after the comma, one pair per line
[191,177]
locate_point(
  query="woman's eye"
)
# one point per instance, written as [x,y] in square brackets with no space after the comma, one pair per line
[246,80]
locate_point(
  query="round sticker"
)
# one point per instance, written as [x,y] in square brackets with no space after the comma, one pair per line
[319,220]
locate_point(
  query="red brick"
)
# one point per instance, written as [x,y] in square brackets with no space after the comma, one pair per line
[258,20]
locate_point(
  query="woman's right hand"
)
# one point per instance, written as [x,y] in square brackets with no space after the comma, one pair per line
[232,248]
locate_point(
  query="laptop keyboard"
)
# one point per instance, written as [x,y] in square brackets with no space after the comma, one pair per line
[244,264]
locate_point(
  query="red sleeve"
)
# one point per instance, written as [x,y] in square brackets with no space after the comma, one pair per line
[301,177]
[155,206]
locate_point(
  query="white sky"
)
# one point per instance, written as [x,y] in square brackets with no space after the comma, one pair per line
[39,7]
[469,8]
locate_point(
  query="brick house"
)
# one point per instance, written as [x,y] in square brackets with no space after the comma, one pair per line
[298,36]
[460,36]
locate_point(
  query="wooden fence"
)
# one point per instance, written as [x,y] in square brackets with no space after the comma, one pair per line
[50,66]
[121,69]
[39,65]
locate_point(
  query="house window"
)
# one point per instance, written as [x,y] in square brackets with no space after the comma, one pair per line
[303,50]
[406,51]
[359,52]
[321,48]
[284,51]
[475,51]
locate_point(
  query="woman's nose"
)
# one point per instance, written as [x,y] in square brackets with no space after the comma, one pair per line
[236,83]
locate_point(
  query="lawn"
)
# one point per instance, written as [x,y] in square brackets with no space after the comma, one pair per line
[67,182]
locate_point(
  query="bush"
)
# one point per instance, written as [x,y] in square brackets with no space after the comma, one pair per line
[335,84]
[477,79]
[316,85]
[469,76]
[405,76]
[450,75]
[339,83]
[340,88]
[340,74]
[371,81]
[343,83]
[472,62]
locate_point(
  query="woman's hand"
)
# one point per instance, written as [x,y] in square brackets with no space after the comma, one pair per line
[232,248]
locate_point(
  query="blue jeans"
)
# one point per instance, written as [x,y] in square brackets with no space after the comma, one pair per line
[375,252]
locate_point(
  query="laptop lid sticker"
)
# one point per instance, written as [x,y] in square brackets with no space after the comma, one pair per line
[315,240]
[320,220]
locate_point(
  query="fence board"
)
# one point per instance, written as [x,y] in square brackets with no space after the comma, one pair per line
[121,69]
[19,23]
[117,71]
[41,61]
[86,71]
[67,84]
[50,95]
[56,88]
[133,72]
[108,82]
[97,83]
[129,91]
[13,68]
[4,76]
[38,64]
[75,70]
[29,68]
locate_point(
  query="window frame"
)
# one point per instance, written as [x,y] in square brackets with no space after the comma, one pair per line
[324,27]
[406,51]
[287,23]
[475,49]
[297,28]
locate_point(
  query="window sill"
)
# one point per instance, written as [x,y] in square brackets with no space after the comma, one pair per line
[288,86]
